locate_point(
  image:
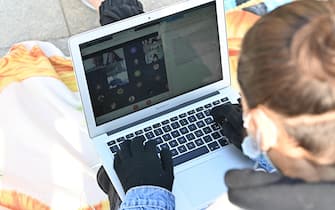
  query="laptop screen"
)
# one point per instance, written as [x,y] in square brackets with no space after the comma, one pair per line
[145,65]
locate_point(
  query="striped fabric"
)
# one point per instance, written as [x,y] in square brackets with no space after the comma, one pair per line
[18,201]
[21,63]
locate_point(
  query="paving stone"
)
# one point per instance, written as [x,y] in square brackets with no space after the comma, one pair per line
[62,45]
[3,51]
[154,4]
[79,17]
[31,20]
[51,20]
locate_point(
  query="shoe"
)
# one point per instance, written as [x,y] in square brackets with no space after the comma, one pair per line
[106,186]
[103,180]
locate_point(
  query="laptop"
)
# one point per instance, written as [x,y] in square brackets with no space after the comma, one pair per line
[159,74]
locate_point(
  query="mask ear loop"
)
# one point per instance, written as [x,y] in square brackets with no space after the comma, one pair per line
[246,120]
[263,160]
[255,141]
[272,133]
[270,141]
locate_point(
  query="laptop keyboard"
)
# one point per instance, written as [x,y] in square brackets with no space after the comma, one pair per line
[187,136]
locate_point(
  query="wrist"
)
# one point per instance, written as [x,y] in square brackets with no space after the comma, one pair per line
[141,196]
[153,187]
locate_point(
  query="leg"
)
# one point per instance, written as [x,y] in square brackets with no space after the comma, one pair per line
[106,185]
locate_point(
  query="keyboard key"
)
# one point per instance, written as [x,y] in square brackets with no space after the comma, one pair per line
[213,146]
[192,119]
[199,142]
[191,112]
[215,126]
[183,122]
[181,140]
[173,119]
[190,155]
[129,136]
[175,134]
[199,109]
[175,125]
[209,120]
[139,132]
[207,112]
[224,99]
[157,125]
[167,128]
[165,122]
[182,115]
[147,129]
[201,124]
[207,106]
[121,139]
[182,149]
[223,142]
[158,131]
[167,137]
[216,135]
[190,136]
[114,149]
[111,143]
[190,145]
[164,146]
[174,152]
[208,138]
[159,140]
[149,135]
[200,116]
[221,131]
[207,130]
[198,133]
[216,102]
[192,127]
[183,130]
[173,143]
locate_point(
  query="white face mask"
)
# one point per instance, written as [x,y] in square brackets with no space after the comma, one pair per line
[251,148]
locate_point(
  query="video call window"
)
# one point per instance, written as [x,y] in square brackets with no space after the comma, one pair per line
[114,64]
[126,74]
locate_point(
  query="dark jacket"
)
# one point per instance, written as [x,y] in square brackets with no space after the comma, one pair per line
[257,190]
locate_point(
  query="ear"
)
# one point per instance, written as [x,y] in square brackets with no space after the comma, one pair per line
[272,134]
[265,130]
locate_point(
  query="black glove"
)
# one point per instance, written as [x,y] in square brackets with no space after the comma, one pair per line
[115,10]
[229,117]
[137,164]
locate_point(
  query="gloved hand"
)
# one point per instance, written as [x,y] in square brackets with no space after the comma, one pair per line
[137,164]
[115,10]
[229,117]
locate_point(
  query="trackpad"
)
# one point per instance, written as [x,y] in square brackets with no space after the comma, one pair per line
[203,183]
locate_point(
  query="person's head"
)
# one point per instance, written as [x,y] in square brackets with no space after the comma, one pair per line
[155,58]
[113,57]
[286,74]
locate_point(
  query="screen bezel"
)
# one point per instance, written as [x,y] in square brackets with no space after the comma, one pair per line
[77,40]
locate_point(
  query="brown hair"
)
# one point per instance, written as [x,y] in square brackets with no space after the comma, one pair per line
[287,63]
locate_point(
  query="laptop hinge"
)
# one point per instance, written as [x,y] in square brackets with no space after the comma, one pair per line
[162,113]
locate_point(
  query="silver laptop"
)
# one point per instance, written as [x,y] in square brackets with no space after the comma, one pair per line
[158,74]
